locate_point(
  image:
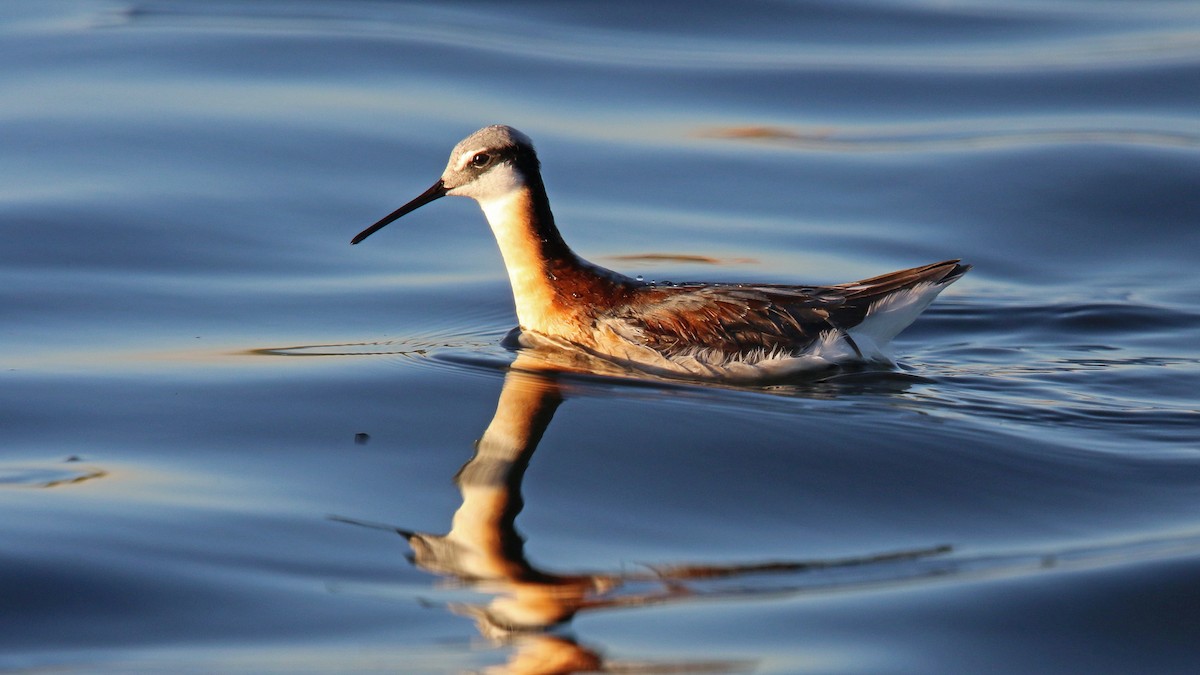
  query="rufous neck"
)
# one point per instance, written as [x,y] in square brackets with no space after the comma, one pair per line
[532,249]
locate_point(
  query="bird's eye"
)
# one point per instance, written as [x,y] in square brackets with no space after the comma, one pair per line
[481,160]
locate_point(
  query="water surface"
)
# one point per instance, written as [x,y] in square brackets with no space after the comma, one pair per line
[234,443]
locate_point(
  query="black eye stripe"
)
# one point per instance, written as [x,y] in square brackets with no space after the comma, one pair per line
[481,160]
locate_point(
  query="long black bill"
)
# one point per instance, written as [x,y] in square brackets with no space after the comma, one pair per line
[437,191]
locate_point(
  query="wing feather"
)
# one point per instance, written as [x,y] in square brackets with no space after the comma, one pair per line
[738,318]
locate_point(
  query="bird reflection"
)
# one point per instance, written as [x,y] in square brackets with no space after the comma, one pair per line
[483,547]
[484,552]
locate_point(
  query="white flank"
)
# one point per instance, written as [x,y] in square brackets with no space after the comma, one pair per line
[891,315]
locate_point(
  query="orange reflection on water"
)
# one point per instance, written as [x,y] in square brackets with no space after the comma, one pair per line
[484,552]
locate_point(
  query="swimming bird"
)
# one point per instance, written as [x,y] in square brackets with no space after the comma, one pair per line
[724,331]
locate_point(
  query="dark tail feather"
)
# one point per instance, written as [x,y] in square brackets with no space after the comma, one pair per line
[941,273]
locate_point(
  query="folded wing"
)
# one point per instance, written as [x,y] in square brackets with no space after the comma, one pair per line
[739,318]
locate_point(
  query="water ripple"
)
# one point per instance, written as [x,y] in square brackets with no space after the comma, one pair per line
[35,475]
[1069,368]
[952,136]
[1118,41]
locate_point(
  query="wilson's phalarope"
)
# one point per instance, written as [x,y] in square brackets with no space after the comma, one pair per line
[726,331]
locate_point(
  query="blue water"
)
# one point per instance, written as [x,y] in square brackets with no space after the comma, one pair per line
[231,442]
